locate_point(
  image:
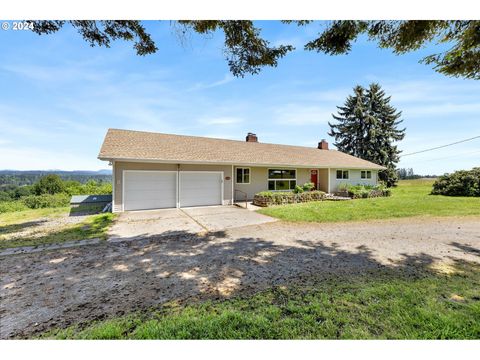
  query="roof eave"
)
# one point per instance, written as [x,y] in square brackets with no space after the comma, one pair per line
[339,166]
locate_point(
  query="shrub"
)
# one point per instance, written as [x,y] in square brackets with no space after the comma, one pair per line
[5,196]
[46,200]
[22,191]
[309,186]
[9,206]
[459,183]
[365,191]
[298,189]
[91,187]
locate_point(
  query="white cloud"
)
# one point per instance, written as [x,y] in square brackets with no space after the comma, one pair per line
[36,158]
[202,86]
[222,120]
[300,114]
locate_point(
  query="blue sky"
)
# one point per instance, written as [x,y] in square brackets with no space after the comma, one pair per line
[58,96]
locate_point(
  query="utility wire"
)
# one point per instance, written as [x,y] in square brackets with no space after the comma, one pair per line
[439,147]
[448,157]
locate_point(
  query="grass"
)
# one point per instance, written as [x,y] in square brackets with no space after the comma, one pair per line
[16,217]
[390,304]
[410,198]
[94,226]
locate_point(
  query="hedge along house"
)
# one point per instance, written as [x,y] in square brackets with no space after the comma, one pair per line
[154,170]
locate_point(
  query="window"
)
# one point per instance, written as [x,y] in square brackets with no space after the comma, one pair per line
[342,174]
[366,174]
[243,176]
[282,179]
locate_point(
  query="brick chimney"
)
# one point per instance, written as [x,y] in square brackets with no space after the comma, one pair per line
[323,145]
[251,137]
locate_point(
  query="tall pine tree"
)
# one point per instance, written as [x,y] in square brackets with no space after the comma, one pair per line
[367,127]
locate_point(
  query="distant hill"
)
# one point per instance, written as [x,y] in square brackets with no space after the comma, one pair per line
[58,172]
[28,177]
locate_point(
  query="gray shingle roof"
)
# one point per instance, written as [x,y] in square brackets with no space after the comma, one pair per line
[148,146]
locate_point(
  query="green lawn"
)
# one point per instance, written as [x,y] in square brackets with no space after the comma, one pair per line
[388,304]
[410,198]
[94,226]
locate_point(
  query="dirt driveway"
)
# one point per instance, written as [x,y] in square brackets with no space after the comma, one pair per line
[59,288]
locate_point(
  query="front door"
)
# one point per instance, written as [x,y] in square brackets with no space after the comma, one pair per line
[314,177]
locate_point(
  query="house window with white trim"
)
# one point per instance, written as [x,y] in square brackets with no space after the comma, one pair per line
[282,179]
[366,174]
[342,174]
[243,176]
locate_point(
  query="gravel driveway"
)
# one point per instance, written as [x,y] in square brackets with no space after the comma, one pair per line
[59,288]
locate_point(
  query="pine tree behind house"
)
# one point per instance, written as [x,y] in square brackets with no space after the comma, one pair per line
[367,127]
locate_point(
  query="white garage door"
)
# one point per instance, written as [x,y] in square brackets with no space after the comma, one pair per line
[200,188]
[150,190]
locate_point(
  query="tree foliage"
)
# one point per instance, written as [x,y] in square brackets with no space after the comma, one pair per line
[247,52]
[461,59]
[367,127]
[459,183]
[49,184]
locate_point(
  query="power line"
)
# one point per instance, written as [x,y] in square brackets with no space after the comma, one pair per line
[442,146]
[447,157]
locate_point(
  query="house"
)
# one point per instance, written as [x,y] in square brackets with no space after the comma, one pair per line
[155,170]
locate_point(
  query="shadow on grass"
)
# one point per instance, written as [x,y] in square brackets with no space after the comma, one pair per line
[90,228]
[13,228]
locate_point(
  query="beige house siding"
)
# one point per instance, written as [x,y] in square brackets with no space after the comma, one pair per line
[259,180]
[120,166]
[323,180]
[354,178]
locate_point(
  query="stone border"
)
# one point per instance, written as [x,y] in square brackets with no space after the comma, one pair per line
[282,198]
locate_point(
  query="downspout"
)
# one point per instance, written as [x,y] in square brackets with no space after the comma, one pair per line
[233,196]
[178,185]
[114,185]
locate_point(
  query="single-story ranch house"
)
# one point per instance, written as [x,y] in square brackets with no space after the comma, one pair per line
[154,170]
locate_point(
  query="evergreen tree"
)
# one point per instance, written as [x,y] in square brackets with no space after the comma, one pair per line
[367,127]
[247,51]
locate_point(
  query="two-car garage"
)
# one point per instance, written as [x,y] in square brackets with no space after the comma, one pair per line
[155,189]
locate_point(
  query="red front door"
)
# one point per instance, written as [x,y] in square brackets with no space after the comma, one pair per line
[314,177]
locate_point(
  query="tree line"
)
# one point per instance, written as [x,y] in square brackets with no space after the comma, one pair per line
[20,178]
[48,191]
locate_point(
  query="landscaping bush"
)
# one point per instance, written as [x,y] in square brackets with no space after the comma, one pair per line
[298,189]
[460,183]
[364,191]
[267,198]
[46,200]
[309,186]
